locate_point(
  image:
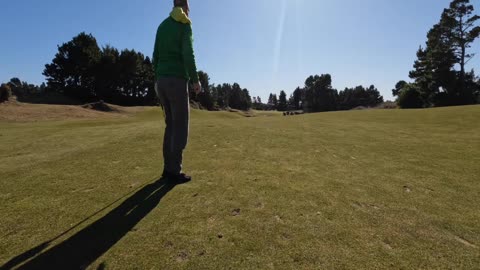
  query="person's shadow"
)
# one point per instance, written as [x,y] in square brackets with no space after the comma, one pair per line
[83,248]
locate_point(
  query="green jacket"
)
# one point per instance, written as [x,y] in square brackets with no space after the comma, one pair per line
[173,54]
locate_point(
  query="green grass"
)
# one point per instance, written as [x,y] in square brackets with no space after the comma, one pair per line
[346,190]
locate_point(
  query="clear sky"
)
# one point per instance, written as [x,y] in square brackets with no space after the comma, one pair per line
[265,45]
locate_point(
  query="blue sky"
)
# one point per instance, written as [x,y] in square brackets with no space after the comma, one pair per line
[265,45]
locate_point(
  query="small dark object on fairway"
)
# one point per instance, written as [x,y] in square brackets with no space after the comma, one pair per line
[182,256]
[99,106]
[220,236]
[292,113]
[407,189]
[387,245]
[202,253]
[168,244]
[195,195]
[236,212]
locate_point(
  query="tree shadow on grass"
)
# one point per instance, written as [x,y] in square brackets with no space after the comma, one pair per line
[83,248]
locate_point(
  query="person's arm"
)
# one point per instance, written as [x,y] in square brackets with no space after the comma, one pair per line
[155,53]
[189,55]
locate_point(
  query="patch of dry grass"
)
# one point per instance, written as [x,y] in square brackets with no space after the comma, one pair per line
[24,112]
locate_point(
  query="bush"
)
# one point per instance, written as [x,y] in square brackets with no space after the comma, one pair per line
[5,93]
[410,98]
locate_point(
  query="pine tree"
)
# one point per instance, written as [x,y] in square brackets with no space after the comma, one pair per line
[72,71]
[460,23]
[447,45]
[282,101]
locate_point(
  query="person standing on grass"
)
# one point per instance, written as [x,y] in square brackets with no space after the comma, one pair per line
[174,63]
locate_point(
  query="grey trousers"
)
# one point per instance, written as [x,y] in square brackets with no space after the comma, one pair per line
[173,95]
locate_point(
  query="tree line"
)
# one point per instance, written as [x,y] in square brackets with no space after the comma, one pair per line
[439,77]
[20,89]
[318,95]
[221,96]
[84,72]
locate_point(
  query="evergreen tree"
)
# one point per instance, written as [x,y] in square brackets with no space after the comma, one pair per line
[351,98]
[319,94]
[107,79]
[436,79]
[398,87]
[270,100]
[5,92]
[205,97]
[460,24]
[282,101]
[275,101]
[409,97]
[72,71]
[297,97]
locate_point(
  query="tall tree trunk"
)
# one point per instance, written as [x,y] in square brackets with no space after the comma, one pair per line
[462,40]
[462,69]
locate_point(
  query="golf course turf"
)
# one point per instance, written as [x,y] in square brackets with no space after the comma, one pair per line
[397,189]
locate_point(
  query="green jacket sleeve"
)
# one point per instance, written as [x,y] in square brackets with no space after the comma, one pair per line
[188,54]
[155,53]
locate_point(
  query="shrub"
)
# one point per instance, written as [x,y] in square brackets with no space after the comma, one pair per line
[410,98]
[5,93]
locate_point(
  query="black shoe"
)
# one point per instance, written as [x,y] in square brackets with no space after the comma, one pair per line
[176,178]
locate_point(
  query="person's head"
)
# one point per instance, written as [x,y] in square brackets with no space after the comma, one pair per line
[183,4]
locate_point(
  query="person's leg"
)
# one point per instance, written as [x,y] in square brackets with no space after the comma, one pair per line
[162,89]
[180,111]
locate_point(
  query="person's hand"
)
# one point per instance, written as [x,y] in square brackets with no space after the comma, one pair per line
[197,88]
